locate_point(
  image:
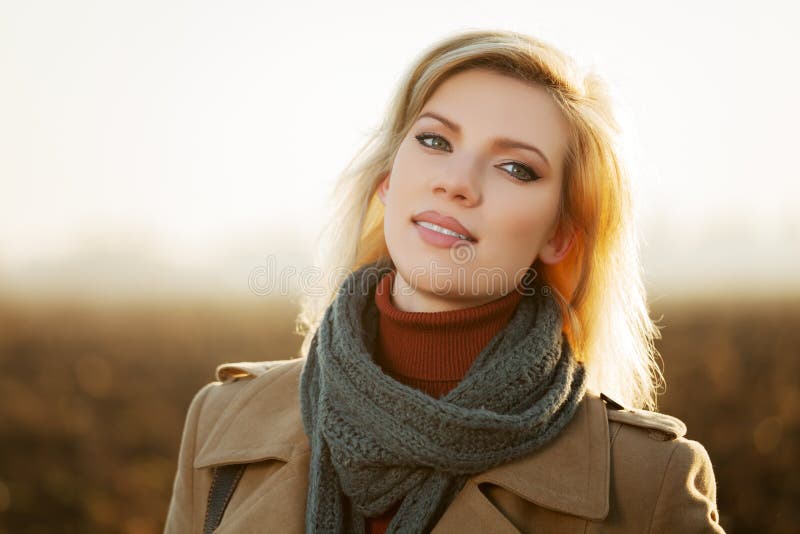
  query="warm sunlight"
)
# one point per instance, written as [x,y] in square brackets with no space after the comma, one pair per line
[143,138]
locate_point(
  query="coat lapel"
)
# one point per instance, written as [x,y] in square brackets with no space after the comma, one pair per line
[472,513]
[570,475]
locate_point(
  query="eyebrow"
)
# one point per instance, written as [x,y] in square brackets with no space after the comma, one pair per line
[500,142]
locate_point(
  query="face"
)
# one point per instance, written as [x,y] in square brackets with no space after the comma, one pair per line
[484,161]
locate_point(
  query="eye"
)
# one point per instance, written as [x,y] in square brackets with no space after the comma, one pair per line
[436,141]
[522,172]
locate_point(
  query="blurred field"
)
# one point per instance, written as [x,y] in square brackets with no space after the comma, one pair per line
[92,400]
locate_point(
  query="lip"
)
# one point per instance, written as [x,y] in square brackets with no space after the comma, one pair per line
[444,221]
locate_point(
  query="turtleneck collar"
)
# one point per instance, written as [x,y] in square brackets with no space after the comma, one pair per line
[434,350]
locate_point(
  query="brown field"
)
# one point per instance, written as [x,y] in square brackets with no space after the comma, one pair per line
[92,400]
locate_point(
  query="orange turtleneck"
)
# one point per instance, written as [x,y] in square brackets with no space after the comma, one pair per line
[432,351]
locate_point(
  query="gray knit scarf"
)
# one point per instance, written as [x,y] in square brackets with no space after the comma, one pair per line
[375,441]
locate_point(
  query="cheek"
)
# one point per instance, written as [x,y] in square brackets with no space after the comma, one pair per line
[398,206]
[405,186]
[407,175]
[522,223]
[521,239]
[518,226]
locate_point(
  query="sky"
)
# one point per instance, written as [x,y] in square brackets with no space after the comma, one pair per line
[179,146]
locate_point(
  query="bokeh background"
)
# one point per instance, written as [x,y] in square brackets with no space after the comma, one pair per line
[157,158]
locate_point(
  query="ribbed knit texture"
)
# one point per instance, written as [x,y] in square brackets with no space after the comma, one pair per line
[376,442]
[432,351]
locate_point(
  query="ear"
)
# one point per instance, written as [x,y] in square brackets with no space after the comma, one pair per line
[383,188]
[558,245]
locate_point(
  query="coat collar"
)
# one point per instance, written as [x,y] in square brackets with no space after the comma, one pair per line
[263,419]
[570,474]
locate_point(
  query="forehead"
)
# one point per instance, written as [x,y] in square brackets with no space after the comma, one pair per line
[491,104]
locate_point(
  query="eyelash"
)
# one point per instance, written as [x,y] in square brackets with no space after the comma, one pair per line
[421,138]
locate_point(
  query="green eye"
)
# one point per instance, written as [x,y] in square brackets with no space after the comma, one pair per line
[523,173]
[437,142]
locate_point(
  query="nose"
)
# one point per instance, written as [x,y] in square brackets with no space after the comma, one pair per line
[459,181]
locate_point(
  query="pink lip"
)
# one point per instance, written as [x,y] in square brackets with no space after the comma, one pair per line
[445,222]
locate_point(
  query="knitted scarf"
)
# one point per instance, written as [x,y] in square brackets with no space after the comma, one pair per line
[375,441]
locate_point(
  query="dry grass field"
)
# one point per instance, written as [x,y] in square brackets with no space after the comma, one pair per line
[92,400]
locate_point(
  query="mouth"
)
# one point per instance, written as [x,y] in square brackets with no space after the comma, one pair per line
[442,224]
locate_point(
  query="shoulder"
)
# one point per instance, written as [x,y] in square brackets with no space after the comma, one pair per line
[652,435]
[659,426]
[656,468]
[232,379]
[252,411]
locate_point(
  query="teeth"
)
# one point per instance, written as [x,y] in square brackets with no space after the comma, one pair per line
[445,231]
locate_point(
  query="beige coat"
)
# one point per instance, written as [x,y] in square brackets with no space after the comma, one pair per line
[608,471]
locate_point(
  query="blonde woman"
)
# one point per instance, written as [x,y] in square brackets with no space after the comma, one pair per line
[483,360]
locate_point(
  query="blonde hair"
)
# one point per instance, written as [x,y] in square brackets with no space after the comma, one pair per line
[599,282]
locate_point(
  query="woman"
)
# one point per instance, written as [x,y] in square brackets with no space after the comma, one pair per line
[460,377]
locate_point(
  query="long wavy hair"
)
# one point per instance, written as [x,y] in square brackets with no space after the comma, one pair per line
[599,283]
